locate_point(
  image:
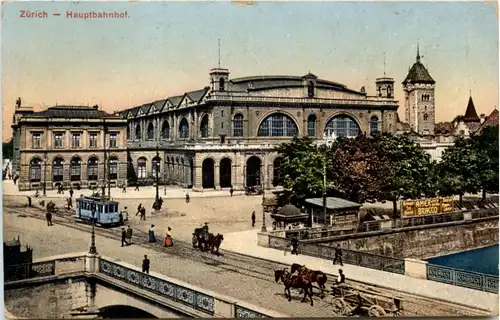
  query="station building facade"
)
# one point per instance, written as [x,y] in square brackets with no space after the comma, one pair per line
[69,146]
[226,133]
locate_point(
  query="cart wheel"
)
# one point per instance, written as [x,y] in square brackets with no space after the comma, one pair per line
[376,311]
[340,305]
[398,313]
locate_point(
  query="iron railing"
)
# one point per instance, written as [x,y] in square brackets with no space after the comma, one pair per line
[29,270]
[192,298]
[468,279]
[362,259]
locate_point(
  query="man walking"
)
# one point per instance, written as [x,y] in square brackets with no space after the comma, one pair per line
[295,243]
[70,203]
[136,187]
[338,255]
[145,264]
[48,215]
[231,191]
[70,192]
[253,219]
[139,209]
[124,237]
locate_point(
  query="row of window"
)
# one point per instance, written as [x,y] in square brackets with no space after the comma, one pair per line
[35,169]
[275,125]
[36,140]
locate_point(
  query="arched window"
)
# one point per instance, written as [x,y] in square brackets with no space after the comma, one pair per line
[141,168]
[222,84]
[426,117]
[165,130]
[389,91]
[373,125]
[151,131]
[113,168]
[204,126]
[128,133]
[138,132]
[278,125]
[238,125]
[76,169]
[342,126]
[311,125]
[57,169]
[35,170]
[93,169]
[310,89]
[155,166]
[184,129]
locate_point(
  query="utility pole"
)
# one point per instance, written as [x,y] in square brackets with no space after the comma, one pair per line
[45,174]
[157,163]
[324,188]
[105,161]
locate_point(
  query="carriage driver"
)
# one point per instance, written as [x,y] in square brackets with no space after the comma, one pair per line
[340,278]
[205,230]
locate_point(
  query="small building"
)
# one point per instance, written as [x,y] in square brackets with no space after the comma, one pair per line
[340,213]
[289,216]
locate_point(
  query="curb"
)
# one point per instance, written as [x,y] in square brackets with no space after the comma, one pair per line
[375,285]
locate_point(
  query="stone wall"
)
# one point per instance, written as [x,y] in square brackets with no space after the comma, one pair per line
[46,301]
[425,241]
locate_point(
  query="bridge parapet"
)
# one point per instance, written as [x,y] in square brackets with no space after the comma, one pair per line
[206,301]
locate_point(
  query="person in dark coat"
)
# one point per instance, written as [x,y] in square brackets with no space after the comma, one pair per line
[139,209]
[340,278]
[145,264]
[151,233]
[120,217]
[71,192]
[253,219]
[338,255]
[129,235]
[295,243]
[29,201]
[231,191]
[124,237]
[48,215]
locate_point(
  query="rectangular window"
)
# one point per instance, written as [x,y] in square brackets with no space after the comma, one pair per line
[36,141]
[75,140]
[93,140]
[113,169]
[58,140]
[113,140]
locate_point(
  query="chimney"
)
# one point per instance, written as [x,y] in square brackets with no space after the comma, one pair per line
[96,107]
[483,117]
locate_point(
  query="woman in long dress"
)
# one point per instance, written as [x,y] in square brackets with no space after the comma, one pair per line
[168,239]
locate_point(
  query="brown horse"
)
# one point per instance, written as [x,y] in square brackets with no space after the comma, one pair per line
[214,242]
[315,276]
[296,281]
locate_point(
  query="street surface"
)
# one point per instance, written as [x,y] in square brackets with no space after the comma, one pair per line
[242,277]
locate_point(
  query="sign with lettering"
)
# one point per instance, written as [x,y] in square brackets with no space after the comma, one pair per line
[426,206]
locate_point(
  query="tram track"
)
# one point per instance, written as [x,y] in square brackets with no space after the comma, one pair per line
[246,265]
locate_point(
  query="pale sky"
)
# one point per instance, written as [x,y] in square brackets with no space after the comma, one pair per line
[164,49]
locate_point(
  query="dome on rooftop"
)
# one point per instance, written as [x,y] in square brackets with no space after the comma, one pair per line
[289,210]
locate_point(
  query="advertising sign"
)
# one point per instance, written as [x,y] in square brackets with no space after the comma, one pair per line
[426,206]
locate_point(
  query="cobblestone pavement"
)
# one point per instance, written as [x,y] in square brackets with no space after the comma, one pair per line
[256,287]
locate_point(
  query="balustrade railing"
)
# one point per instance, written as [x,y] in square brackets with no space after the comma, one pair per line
[196,299]
[29,271]
[468,279]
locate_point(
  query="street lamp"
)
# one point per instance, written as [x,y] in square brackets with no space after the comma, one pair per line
[263,228]
[157,163]
[93,249]
[165,182]
[45,175]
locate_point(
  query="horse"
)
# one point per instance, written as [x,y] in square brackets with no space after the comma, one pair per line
[316,276]
[214,242]
[202,239]
[157,204]
[296,281]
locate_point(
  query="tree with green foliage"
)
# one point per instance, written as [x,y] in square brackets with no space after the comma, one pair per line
[486,146]
[8,150]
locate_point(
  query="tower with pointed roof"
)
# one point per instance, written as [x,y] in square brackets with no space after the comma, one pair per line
[419,88]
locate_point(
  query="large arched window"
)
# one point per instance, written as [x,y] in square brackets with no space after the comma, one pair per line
[204,126]
[342,126]
[113,168]
[238,125]
[373,124]
[165,130]
[138,132]
[75,169]
[278,125]
[141,168]
[311,125]
[184,129]
[57,169]
[151,131]
[93,169]
[35,170]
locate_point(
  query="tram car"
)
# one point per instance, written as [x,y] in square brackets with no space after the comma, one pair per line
[105,211]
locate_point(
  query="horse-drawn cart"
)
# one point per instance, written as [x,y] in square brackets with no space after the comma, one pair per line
[352,300]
